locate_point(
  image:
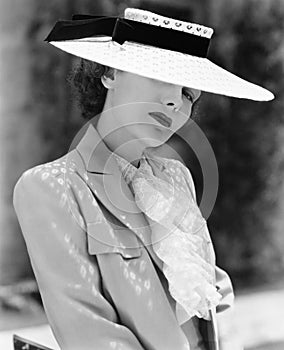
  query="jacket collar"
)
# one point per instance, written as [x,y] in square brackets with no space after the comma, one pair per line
[107,183]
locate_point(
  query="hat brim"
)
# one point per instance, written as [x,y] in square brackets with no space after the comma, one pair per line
[165,65]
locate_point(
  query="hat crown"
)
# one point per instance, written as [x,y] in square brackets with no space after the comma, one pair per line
[148,17]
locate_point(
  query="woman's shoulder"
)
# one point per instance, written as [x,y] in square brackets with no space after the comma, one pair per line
[60,170]
[51,186]
[55,179]
[52,168]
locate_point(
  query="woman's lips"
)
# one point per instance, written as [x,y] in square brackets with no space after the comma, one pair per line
[161,118]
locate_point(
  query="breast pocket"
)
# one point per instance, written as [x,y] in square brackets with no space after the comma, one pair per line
[104,239]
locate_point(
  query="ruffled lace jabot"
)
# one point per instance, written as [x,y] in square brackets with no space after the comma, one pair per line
[164,191]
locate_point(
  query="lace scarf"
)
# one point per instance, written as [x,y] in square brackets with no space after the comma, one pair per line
[164,191]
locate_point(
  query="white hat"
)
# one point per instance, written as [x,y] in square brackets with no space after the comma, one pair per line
[152,46]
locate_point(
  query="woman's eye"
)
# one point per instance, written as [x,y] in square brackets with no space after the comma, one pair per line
[188,95]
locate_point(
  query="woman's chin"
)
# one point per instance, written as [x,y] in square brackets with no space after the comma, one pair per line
[154,136]
[156,142]
[163,134]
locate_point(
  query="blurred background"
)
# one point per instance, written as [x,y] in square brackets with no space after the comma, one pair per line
[39,118]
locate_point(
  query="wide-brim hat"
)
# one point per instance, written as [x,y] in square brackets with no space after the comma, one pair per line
[153,46]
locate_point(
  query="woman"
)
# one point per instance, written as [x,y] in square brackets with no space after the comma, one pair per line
[120,250]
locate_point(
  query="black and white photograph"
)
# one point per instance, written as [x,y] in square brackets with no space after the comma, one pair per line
[142,175]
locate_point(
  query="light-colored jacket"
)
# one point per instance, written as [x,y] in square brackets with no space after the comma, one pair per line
[102,288]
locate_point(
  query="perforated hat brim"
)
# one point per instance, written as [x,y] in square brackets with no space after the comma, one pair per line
[165,65]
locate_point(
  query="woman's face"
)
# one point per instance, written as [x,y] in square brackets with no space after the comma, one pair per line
[146,110]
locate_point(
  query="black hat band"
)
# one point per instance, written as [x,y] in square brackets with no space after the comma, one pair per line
[121,30]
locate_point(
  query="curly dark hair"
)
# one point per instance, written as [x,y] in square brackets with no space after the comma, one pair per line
[90,93]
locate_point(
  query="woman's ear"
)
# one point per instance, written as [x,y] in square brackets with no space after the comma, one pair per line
[108,79]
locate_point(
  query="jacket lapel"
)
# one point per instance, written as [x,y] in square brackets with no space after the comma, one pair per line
[107,183]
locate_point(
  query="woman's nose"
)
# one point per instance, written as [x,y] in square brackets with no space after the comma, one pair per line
[173,98]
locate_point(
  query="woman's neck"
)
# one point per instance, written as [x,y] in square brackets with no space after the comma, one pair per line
[116,139]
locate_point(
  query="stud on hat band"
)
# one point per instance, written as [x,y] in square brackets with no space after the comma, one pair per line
[121,30]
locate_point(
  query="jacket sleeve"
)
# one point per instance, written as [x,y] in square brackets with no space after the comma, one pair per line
[229,339]
[69,280]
